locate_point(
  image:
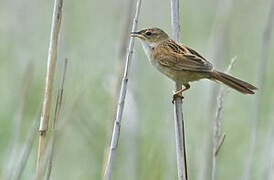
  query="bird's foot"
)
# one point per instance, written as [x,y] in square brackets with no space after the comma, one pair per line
[175,95]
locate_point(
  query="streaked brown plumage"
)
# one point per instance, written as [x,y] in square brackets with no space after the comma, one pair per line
[183,64]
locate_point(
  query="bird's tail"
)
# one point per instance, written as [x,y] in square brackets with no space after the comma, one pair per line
[233,82]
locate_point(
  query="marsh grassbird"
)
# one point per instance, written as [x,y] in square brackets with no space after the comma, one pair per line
[183,64]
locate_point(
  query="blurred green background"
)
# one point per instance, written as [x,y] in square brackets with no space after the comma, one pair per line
[91,35]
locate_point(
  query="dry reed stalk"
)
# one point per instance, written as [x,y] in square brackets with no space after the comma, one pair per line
[52,54]
[120,106]
[119,68]
[178,113]
[45,161]
[218,136]
[261,72]
[130,113]
[56,116]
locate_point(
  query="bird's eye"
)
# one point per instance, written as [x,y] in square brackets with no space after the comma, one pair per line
[148,33]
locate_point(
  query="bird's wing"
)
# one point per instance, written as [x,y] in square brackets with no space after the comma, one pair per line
[180,57]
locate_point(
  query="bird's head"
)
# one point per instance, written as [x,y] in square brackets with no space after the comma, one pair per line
[151,35]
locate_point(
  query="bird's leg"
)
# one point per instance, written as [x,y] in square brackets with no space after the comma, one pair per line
[178,93]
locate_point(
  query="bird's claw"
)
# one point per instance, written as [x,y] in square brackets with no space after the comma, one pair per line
[175,95]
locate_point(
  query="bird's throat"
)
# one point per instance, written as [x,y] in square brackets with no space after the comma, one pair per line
[148,48]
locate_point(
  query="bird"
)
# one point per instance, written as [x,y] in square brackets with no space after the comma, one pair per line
[182,64]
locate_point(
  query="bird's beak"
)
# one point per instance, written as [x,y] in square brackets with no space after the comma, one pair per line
[136,34]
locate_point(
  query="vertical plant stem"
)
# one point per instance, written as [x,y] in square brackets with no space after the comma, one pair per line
[218,137]
[52,54]
[120,67]
[261,72]
[178,113]
[56,115]
[130,112]
[120,106]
